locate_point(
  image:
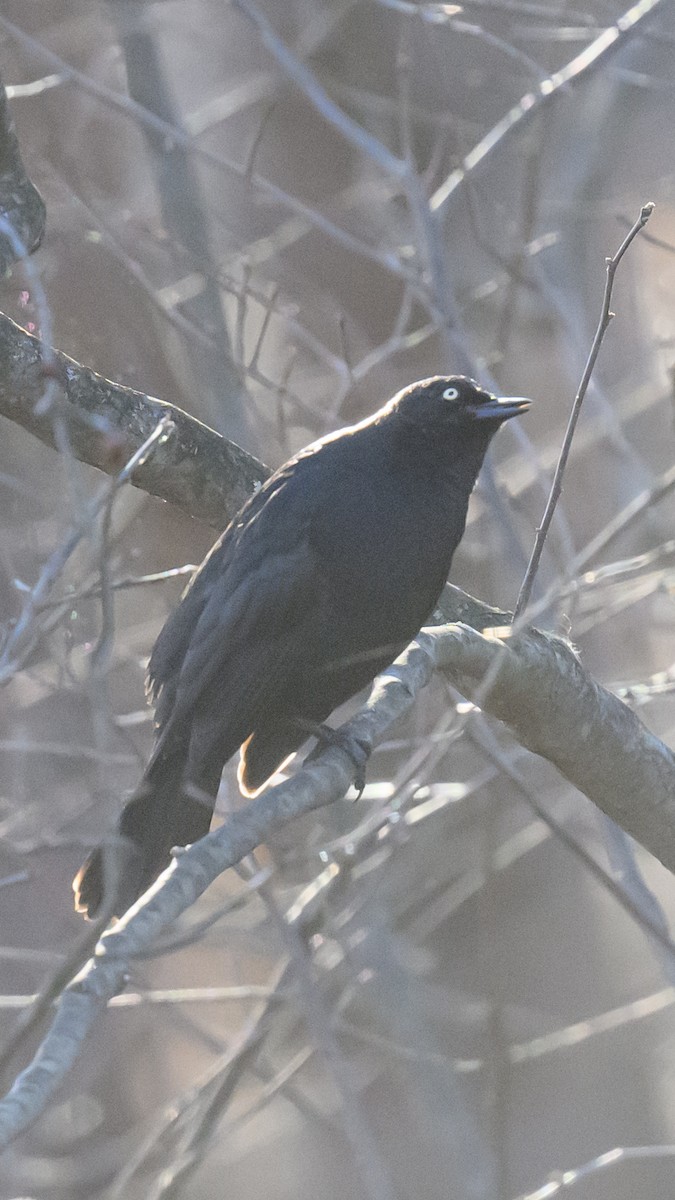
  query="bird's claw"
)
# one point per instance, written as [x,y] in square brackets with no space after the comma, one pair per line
[357,750]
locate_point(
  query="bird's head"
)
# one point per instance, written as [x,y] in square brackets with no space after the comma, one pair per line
[453,403]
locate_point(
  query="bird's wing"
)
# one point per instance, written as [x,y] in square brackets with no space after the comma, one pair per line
[244,610]
[174,639]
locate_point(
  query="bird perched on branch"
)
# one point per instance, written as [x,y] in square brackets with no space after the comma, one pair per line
[319,582]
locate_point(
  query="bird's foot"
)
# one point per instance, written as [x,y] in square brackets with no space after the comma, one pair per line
[357,750]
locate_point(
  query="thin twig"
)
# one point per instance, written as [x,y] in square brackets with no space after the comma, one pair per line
[358,1129]
[590,59]
[210,1106]
[39,1005]
[556,487]
[624,519]
[93,591]
[484,738]
[402,172]
[180,137]
[616,1158]
[18,644]
[301,75]
[84,945]
[180,1109]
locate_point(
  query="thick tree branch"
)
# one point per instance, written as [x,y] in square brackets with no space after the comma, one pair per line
[558,711]
[199,471]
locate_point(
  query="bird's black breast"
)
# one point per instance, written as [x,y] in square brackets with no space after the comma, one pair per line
[386,519]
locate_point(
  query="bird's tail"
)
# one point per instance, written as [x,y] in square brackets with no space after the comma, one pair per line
[160,814]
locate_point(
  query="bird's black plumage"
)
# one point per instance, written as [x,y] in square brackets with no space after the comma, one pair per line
[318,583]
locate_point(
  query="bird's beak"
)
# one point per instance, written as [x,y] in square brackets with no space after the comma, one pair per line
[500,408]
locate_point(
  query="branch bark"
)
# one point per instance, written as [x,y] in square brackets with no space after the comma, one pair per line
[557,710]
[198,470]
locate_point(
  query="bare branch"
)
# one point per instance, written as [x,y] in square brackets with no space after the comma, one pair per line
[23,633]
[539,689]
[301,75]
[556,487]
[400,170]
[177,135]
[579,68]
[180,1112]
[611,1161]
[199,471]
[38,1006]
[558,711]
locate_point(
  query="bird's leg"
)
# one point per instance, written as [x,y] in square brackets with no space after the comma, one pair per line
[325,735]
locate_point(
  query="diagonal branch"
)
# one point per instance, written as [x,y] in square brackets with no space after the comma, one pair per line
[540,690]
[198,470]
[301,75]
[606,44]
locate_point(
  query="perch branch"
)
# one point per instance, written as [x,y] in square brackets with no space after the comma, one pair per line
[555,709]
[540,690]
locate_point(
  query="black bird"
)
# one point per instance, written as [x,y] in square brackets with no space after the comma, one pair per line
[319,582]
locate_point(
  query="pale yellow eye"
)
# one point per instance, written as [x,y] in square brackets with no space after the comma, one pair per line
[451,394]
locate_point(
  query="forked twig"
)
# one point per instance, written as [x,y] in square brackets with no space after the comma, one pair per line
[556,487]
